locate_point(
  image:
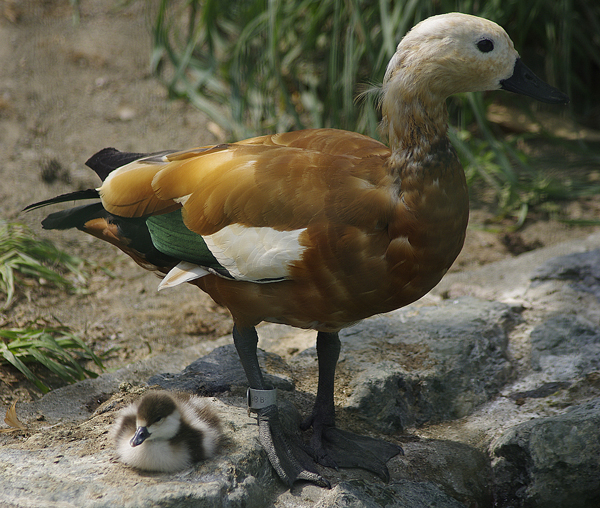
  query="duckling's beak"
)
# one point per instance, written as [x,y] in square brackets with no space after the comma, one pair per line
[141,434]
[525,82]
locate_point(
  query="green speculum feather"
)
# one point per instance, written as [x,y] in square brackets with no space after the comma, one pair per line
[171,236]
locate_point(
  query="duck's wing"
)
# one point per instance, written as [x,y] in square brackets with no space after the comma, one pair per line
[242,210]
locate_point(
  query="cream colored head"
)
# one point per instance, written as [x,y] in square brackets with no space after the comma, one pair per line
[448,54]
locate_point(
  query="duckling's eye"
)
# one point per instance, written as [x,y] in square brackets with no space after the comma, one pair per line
[160,419]
[485,45]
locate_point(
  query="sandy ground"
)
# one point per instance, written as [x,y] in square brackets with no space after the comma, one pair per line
[68,90]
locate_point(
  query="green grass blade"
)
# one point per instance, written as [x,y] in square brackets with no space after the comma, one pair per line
[60,354]
[22,256]
[21,367]
[73,341]
[54,366]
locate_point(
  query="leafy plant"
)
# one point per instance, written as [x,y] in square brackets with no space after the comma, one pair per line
[22,256]
[57,349]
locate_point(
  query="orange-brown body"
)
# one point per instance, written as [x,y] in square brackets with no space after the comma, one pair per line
[377,234]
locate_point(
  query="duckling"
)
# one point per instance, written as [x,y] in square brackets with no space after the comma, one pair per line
[166,431]
[317,228]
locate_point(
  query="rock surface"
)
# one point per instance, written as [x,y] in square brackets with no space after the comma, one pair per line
[552,461]
[427,364]
[491,385]
[402,494]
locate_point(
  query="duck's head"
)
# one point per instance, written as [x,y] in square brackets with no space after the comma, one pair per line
[157,418]
[455,52]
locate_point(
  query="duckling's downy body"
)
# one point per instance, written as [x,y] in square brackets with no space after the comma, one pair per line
[166,431]
[317,228]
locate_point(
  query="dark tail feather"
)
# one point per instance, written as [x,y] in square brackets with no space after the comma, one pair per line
[109,159]
[74,217]
[129,235]
[70,196]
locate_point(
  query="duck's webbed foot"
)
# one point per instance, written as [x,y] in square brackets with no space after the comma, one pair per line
[333,447]
[285,453]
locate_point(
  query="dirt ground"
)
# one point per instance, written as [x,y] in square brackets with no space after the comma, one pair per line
[68,90]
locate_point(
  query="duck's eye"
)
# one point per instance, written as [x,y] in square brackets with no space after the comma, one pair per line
[160,419]
[485,45]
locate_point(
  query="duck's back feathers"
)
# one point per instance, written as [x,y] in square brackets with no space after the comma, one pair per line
[248,211]
[322,208]
[281,181]
[203,421]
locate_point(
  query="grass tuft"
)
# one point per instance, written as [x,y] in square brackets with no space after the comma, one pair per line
[24,257]
[57,349]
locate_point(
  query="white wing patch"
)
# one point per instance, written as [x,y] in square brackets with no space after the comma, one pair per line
[255,254]
[247,253]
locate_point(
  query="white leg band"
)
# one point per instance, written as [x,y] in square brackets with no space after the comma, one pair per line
[257,399]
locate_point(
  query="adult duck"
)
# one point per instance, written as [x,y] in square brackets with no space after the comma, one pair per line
[317,228]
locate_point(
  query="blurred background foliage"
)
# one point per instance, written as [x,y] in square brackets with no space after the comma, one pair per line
[263,66]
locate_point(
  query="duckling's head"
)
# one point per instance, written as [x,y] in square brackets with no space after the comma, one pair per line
[455,52]
[157,418]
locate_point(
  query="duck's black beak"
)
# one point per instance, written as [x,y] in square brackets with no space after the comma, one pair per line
[525,82]
[141,434]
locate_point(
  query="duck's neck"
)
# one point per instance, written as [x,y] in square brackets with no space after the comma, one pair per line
[433,208]
[413,125]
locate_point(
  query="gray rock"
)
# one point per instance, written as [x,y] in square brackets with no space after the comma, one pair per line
[551,462]
[221,371]
[582,269]
[511,278]
[74,466]
[565,347]
[426,364]
[400,494]
[78,457]
[461,471]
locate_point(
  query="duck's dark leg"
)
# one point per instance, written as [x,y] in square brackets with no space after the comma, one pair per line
[288,459]
[323,413]
[333,447]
